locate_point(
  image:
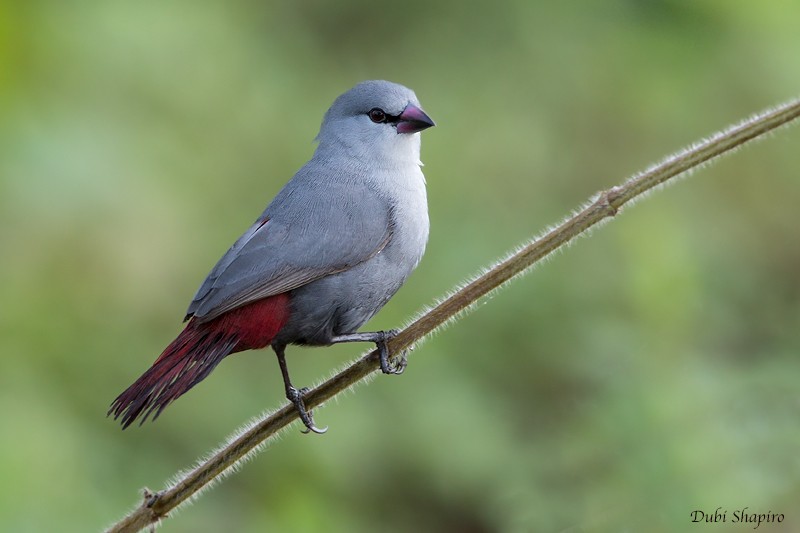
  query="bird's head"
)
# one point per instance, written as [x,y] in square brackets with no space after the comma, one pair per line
[375,119]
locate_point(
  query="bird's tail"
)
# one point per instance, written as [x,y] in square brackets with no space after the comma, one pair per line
[194,354]
[182,365]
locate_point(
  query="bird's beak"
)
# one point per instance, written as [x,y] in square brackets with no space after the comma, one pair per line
[413,119]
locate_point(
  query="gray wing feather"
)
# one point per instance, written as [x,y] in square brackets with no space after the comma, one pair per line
[312,229]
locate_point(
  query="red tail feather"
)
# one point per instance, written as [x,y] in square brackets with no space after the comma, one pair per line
[196,351]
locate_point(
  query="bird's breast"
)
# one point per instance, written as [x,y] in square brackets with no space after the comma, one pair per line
[409,218]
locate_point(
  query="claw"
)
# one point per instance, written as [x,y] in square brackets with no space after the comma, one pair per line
[400,363]
[396,367]
[313,429]
[310,427]
[296,397]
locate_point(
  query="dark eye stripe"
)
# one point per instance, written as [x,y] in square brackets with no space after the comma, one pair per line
[377,115]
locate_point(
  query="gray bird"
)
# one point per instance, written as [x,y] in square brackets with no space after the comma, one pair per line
[326,254]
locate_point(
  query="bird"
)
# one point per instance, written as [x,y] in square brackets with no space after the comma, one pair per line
[329,251]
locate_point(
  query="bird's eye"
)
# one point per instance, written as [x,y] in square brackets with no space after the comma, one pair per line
[377,115]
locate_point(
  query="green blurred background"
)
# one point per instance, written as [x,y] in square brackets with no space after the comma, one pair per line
[650,370]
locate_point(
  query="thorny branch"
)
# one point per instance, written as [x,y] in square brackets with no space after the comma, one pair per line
[254,436]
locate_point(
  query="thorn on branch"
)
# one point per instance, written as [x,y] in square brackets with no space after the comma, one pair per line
[151,499]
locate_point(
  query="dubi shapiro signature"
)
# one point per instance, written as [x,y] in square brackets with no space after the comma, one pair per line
[739,516]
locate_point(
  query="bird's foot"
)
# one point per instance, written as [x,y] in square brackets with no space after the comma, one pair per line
[396,365]
[296,397]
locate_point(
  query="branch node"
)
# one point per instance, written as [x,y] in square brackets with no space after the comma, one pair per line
[607,201]
[150,498]
[151,501]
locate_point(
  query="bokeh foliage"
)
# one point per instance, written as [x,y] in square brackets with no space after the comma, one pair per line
[646,372]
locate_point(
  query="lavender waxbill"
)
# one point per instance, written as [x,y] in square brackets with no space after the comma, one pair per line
[326,254]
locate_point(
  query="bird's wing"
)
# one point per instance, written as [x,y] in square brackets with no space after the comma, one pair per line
[302,236]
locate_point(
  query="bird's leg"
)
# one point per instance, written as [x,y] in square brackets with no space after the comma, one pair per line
[295,395]
[380,338]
